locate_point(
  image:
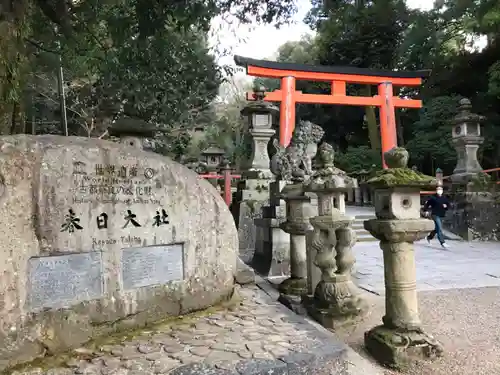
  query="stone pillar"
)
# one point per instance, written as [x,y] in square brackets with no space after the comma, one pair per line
[366,197]
[357,196]
[297,225]
[466,137]
[350,196]
[272,256]
[400,339]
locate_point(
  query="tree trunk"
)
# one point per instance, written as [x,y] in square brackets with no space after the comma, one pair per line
[17,120]
[371,121]
[399,128]
[6,111]
[399,125]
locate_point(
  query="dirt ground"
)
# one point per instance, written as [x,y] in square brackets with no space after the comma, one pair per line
[465,321]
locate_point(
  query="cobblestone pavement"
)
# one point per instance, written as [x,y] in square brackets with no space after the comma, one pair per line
[463,265]
[259,336]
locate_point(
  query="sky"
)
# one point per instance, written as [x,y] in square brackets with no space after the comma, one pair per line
[262,42]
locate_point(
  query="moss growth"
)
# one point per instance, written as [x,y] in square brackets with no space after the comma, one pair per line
[497,198]
[260,188]
[401,177]
[251,206]
[293,286]
[481,182]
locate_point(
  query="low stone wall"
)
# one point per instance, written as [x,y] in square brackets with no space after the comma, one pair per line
[475,216]
[97,237]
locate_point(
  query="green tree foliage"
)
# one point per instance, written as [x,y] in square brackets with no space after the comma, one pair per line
[372,41]
[359,158]
[229,128]
[430,141]
[144,58]
[149,59]
[164,78]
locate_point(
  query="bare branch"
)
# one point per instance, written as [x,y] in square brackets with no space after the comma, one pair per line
[103,134]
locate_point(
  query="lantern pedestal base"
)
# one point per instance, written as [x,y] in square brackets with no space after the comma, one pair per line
[293,286]
[336,302]
[400,348]
[332,318]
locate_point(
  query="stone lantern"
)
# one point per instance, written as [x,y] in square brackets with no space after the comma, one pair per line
[253,188]
[213,157]
[132,132]
[400,339]
[474,213]
[332,297]
[466,137]
[260,115]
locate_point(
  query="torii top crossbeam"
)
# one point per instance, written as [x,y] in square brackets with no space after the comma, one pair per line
[338,77]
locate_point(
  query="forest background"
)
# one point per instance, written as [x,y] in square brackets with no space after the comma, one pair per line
[151,60]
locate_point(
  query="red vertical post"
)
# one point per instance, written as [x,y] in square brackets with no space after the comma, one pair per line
[388,134]
[287,110]
[227,185]
[338,88]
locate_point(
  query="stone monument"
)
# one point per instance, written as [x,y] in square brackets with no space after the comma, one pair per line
[400,339]
[294,164]
[332,296]
[100,236]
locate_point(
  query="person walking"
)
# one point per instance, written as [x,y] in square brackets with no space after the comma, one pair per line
[438,205]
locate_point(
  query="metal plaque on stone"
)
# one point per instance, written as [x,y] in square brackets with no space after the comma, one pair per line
[63,280]
[152,265]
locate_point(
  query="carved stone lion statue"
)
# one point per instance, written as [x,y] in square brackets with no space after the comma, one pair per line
[294,163]
[326,157]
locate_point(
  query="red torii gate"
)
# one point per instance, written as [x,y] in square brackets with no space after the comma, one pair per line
[338,78]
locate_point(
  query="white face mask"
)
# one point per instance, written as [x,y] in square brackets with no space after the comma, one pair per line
[439,192]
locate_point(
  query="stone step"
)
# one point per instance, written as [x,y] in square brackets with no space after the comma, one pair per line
[364,236]
[358,222]
[358,226]
[364,217]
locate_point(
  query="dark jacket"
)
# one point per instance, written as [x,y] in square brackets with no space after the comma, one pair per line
[436,204]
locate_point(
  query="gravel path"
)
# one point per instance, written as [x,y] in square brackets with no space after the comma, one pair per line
[465,321]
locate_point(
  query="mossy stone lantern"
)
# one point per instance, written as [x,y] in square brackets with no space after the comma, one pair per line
[400,339]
